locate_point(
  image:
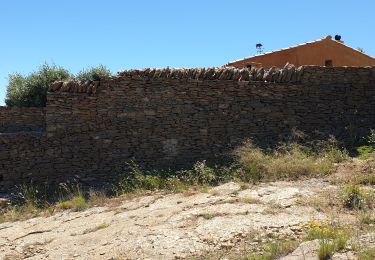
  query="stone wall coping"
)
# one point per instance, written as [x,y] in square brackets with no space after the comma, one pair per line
[288,74]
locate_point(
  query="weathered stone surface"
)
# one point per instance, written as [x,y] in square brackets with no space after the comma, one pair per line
[269,74]
[167,226]
[16,119]
[260,74]
[290,72]
[307,250]
[56,85]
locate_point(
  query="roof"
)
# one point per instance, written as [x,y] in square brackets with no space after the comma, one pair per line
[328,37]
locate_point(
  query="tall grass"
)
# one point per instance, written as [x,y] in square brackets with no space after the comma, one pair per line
[33,200]
[290,160]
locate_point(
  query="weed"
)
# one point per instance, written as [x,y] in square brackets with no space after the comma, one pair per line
[367,254]
[331,238]
[76,201]
[244,186]
[251,200]
[275,250]
[214,192]
[97,198]
[330,149]
[354,197]
[175,185]
[367,219]
[202,174]
[287,161]
[90,230]
[204,189]
[326,250]
[208,216]
[365,152]
[368,179]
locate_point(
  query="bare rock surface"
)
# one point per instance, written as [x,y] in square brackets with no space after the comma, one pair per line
[169,226]
[307,250]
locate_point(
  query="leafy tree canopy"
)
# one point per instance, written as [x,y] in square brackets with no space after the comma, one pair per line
[31,90]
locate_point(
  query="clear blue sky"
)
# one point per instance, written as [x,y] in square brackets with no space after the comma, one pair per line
[176,33]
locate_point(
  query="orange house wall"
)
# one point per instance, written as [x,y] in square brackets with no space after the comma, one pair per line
[312,54]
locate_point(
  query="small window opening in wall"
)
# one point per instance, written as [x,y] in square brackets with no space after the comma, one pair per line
[329,63]
[249,65]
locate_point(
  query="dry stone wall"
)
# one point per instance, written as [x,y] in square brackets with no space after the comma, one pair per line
[174,117]
[15,119]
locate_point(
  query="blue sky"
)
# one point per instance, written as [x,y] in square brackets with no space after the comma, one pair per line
[181,33]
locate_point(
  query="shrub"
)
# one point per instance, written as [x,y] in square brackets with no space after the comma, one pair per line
[71,197]
[331,238]
[31,90]
[31,196]
[253,160]
[354,197]
[368,179]
[135,179]
[77,203]
[94,73]
[365,151]
[200,174]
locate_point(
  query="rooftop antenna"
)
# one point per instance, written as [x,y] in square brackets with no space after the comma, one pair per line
[259,48]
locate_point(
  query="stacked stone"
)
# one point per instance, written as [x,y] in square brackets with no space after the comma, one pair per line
[337,75]
[75,86]
[175,117]
[286,75]
[289,74]
[16,119]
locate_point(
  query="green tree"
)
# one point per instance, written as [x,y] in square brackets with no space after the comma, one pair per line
[94,73]
[31,90]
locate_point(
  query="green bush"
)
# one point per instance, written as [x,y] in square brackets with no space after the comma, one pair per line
[354,197]
[31,90]
[365,151]
[94,73]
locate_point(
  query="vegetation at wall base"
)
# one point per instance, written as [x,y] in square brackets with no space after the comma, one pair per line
[253,164]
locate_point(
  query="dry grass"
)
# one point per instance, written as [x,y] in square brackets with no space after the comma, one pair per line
[251,200]
[94,229]
[287,161]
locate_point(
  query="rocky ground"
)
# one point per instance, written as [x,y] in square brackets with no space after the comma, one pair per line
[226,222]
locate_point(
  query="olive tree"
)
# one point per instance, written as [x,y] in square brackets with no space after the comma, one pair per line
[31,90]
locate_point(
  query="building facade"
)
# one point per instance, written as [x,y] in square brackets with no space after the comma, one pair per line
[324,52]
